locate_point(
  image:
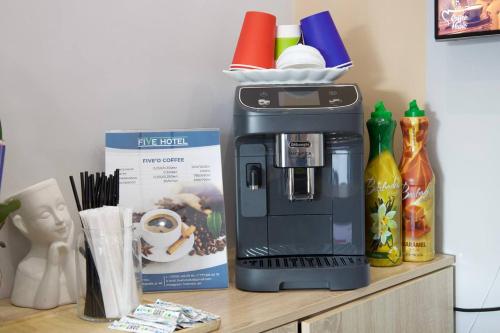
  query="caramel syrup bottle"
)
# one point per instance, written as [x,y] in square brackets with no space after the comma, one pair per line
[418,187]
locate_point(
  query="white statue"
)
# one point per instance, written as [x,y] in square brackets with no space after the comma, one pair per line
[45,278]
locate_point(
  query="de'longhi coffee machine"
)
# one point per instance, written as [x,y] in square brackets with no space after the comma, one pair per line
[299,175]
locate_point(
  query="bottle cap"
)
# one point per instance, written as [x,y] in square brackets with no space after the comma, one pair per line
[414,110]
[381,112]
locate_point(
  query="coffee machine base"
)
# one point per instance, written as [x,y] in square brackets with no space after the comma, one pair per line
[302,272]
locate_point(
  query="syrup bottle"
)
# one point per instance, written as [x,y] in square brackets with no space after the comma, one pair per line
[418,187]
[382,192]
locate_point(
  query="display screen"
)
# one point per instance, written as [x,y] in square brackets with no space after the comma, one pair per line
[466,18]
[299,98]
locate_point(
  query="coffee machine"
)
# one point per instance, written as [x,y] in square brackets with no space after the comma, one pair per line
[299,187]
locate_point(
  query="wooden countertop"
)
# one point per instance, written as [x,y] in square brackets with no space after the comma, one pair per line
[240,311]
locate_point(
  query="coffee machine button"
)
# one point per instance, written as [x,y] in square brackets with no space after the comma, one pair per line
[333,93]
[264,102]
[264,94]
[335,101]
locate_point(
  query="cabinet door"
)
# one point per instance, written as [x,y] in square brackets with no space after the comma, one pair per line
[421,305]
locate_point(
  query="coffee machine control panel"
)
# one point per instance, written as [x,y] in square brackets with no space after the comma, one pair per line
[298,97]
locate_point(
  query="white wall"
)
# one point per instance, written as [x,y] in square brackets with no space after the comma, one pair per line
[463,89]
[70,70]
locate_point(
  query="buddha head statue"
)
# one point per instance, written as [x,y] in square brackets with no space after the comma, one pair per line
[43,217]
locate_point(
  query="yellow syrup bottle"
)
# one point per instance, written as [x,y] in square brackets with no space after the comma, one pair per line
[418,187]
[382,192]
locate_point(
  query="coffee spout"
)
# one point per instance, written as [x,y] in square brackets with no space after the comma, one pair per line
[300,184]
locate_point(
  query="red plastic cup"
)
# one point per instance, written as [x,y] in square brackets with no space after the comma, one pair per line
[255,48]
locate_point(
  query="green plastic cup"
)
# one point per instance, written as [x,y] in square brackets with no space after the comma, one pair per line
[286,36]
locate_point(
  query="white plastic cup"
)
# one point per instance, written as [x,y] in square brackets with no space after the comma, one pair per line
[286,36]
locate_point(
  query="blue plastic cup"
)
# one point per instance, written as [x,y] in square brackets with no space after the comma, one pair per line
[319,31]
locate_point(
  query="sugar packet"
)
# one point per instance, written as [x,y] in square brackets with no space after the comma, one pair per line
[156,314]
[128,324]
[188,315]
[162,317]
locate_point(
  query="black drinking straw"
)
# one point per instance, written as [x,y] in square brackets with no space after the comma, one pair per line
[103,192]
[117,186]
[75,194]
[97,187]
[92,201]
[85,197]
[82,183]
[109,193]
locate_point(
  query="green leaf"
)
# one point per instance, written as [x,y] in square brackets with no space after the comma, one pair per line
[7,208]
[378,255]
[214,223]
[390,241]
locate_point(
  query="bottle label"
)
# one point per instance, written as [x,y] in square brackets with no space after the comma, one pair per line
[383,227]
[418,221]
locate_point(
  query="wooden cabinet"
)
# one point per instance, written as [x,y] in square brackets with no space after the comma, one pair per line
[410,298]
[421,305]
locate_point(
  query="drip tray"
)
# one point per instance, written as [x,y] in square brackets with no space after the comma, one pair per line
[302,272]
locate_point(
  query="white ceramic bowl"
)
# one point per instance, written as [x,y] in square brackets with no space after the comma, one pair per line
[300,57]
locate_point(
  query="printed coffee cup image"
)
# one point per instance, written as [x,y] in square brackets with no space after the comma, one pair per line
[161,227]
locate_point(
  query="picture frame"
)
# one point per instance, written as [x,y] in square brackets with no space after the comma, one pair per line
[471,20]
